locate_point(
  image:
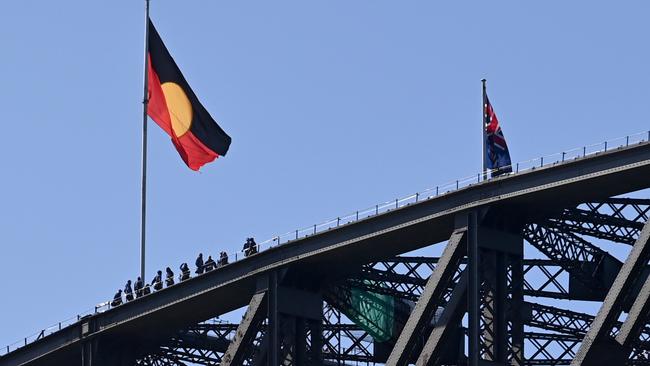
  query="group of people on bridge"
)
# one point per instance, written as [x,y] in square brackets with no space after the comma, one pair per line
[140,289]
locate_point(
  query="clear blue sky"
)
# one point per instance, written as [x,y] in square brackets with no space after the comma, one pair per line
[332,106]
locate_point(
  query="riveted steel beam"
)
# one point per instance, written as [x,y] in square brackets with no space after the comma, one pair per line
[598,346]
[245,331]
[422,313]
[449,322]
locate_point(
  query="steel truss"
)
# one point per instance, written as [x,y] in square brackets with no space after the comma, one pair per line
[405,277]
[574,269]
[615,219]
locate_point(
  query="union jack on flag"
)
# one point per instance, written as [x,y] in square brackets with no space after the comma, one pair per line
[497,155]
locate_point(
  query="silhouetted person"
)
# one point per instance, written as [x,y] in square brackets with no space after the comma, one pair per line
[250,247]
[169,277]
[210,264]
[138,287]
[117,299]
[185,272]
[199,264]
[247,246]
[157,281]
[128,291]
[253,246]
[223,259]
[146,290]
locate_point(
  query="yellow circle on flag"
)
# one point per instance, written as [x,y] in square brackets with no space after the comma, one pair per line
[179,106]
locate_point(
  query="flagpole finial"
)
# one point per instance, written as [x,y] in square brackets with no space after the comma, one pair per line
[483,81]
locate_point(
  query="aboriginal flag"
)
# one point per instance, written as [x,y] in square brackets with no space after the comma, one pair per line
[174,107]
[497,154]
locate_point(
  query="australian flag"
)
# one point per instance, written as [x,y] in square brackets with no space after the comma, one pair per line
[497,155]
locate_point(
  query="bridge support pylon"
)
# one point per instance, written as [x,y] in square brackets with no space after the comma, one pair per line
[495,291]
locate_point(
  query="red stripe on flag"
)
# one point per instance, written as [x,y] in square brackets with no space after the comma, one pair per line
[193,152]
[157,104]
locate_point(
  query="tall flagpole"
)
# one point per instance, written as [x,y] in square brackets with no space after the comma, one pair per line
[145,103]
[483,122]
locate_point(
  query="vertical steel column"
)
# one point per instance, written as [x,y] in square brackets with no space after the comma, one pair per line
[473,296]
[288,340]
[86,353]
[489,305]
[515,313]
[274,320]
[88,344]
[316,329]
[338,338]
[301,341]
[493,276]
[501,295]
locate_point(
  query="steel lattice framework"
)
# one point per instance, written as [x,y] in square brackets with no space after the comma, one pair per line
[574,269]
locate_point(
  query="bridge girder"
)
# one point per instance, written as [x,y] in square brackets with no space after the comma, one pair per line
[560,230]
[561,330]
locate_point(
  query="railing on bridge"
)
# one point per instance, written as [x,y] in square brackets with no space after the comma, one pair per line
[381,208]
[520,167]
[45,332]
